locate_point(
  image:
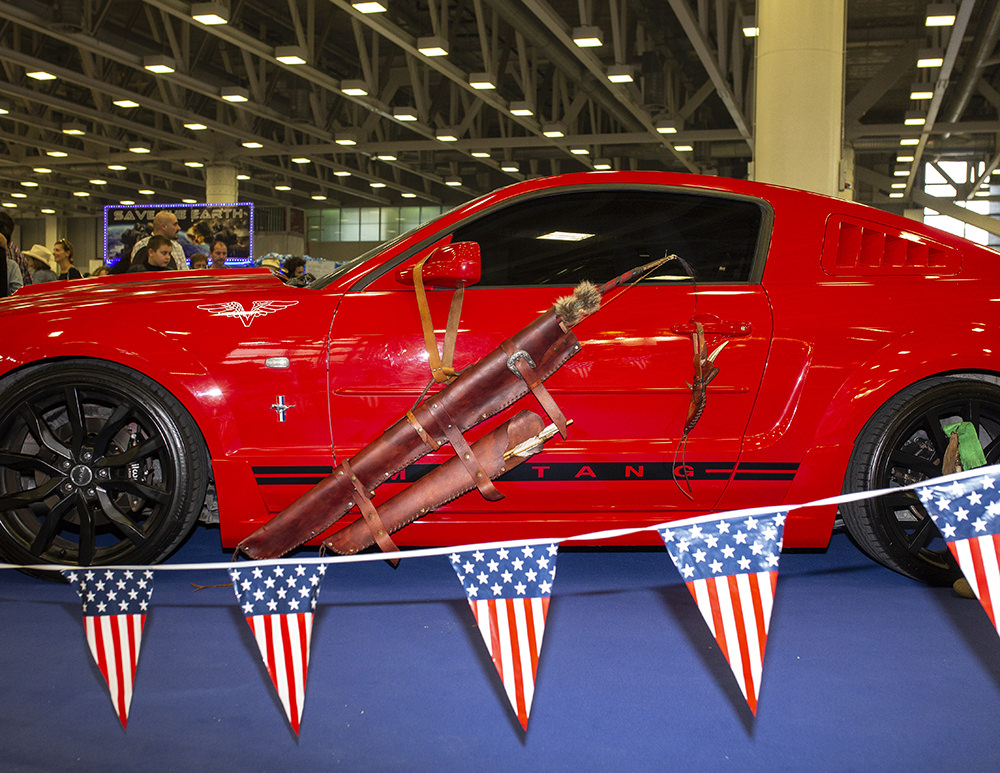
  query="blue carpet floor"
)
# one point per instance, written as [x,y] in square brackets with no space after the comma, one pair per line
[864,670]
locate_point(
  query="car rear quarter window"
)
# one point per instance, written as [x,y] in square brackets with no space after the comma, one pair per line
[566,237]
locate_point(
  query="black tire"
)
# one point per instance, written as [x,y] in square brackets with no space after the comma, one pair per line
[98,465]
[904,443]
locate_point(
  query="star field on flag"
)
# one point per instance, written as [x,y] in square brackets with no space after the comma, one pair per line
[508,590]
[115,602]
[278,603]
[967,513]
[730,566]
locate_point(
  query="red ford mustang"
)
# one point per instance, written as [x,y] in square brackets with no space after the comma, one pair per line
[854,337]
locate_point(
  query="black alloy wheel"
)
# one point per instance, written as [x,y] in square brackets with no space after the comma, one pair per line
[98,465]
[904,443]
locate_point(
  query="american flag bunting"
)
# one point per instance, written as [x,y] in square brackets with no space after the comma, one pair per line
[967,513]
[509,590]
[278,603]
[115,603]
[730,566]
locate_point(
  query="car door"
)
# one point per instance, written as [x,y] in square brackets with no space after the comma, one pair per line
[626,391]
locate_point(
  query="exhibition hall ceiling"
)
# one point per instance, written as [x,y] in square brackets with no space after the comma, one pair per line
[368,119]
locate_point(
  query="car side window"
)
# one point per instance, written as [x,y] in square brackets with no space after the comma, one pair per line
[563,238]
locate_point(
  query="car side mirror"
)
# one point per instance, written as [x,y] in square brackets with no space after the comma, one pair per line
[452,265]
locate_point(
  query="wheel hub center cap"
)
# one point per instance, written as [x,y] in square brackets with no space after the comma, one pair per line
[81,475]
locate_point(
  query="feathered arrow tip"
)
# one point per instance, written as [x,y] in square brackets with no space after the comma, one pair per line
[586,298]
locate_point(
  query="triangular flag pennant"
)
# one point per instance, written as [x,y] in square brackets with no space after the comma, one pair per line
[967,512]
[278,602]
[730,566]
[115,602]
[508,590]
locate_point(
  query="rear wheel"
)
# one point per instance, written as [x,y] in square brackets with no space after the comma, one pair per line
[905,443]
[98,465]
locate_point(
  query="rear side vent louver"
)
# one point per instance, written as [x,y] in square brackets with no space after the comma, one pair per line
[859,248]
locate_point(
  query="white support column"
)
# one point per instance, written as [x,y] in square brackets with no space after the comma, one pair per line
[800,93]
[221,186]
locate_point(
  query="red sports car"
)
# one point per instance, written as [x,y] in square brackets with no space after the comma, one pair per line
[129,405]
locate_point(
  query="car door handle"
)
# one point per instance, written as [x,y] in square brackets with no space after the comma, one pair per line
[713,325]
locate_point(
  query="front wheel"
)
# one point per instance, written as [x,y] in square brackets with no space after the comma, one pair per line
[904,443]
[98,465]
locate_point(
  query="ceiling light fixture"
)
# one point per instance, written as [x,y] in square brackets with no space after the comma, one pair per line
[252,144]
[195,127]
[510,166]
[42,170]
[56,153]
[521,107]
[750,28]
[243,176]
[453,182]
[404,114]
[47,211]
[146,192]
[347,139]
[446,135]
[930,57]
[940,15]
[318,196]
[909,141]
[588,37]
[139,147]
[376,184]
[385,157]
[433,45]
[126,103]
[234,94]
[408,195]
[602,164]
[354,88]
[29,183]
[98,181]
[74,129]
[620,73]
[482,81]
[341,173]
[301,160]
[914,118]
[480,154]
[683,148]
[210,14]
[553,130]
[666,126]
[369,6]
[159,64]
[194,164]
[282,187]
[41,75]
[126,202]
[921,91]
[292,55]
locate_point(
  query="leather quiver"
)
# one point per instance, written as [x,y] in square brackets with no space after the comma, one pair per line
[482,390]
[442,484]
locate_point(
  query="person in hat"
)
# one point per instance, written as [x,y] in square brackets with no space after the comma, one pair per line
[40,263]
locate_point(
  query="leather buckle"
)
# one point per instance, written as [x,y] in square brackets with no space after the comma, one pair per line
[520,354]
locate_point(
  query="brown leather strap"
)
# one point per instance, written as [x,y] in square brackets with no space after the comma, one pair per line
[428,440]
[465,453]
[371,516]
[519,362]
[442,367]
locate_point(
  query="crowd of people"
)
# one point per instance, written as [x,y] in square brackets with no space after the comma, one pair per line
[159,251]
